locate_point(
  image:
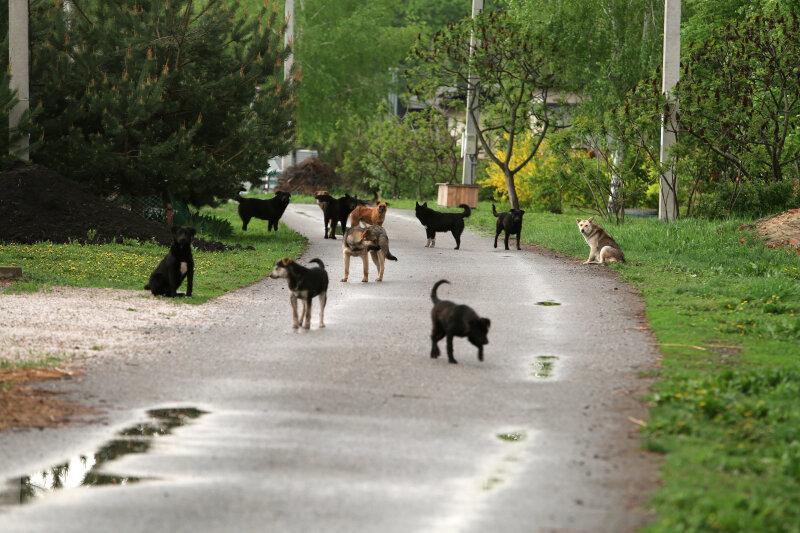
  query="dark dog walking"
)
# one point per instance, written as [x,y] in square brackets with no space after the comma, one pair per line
[451,320]
[270,210]
[177,265]
[304,283]
[336,211]
[511,222]
[435,221]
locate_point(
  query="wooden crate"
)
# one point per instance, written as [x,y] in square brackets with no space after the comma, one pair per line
[453,194]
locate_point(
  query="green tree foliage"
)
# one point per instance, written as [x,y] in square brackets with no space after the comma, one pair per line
[739,95]
[404,156]
[739,115]
[512,71]
[348,52]
[160,95]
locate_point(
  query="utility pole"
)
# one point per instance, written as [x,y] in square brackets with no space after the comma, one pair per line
[469,140]
[288,39]
[668,185]
[20,73]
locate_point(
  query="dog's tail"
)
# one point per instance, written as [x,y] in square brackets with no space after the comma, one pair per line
[467,210]
[318,261]
[389,256]
[435,287]
[494,211]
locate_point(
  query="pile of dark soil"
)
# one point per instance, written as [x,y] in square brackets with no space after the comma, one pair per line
[38,204]
[308,176]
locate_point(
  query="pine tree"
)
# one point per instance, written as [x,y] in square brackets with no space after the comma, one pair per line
[160,95]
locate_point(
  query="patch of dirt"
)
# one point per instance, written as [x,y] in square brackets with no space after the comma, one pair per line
[38,204]
[22,406]
[781,229]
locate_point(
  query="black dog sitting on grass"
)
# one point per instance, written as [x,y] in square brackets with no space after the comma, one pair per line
[270,210]
[177,265]
[511,222]
[451,320]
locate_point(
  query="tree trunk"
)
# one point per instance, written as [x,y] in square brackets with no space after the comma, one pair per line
[512,189]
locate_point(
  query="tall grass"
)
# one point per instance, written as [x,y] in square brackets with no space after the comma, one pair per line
[725,412]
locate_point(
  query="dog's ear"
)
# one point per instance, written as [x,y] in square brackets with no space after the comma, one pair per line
[590,220]
[285,261]
[174,229]
[521,212]
[579,220]
[424,205]
[192,231]
[487,322]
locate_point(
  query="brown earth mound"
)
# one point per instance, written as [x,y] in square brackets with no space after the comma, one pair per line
[308,176]
[38,204]
[782,229]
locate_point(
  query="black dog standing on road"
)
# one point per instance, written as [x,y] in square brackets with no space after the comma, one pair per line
[511,222]
[304,283]
[452,320]
[270,210]
[177,265]
[336,211]
[435,221]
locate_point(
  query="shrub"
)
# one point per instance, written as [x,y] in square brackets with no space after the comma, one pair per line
[748,199]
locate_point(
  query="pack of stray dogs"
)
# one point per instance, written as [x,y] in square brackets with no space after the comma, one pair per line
[366,238]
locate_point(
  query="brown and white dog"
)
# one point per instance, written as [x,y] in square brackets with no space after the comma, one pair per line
[358,242]
[367,216]
[602,247]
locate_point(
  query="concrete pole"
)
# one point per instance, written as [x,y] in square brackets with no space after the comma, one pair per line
[288,38]
[668,186]
[20,73]
[469,141]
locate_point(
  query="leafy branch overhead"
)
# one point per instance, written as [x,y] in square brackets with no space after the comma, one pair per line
[511,71]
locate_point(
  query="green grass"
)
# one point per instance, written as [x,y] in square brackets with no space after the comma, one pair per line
[726,409]
[128,266]
[724,309]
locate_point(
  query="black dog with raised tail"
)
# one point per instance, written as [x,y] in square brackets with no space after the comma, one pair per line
[453,320]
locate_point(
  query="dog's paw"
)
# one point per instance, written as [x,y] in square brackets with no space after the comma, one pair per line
[321,326]
[365,280]
[343,280]
[295,326]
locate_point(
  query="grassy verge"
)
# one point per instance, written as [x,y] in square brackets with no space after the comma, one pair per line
[128,266]
[725,412]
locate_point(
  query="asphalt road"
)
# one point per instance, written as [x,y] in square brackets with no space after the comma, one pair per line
[353,427]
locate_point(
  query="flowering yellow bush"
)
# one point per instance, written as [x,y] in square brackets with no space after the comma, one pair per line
[542,183]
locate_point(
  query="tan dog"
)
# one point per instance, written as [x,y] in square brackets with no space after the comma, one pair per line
[370,217]
[321,204]
[358,242]
[602,247]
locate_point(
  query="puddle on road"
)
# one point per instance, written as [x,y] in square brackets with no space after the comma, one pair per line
[547,303]
[543,367]
[515,436]
[85,469]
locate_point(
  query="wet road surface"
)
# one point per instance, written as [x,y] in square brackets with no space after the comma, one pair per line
[251,426]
